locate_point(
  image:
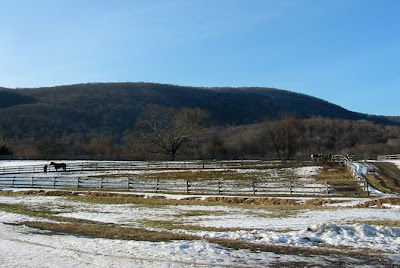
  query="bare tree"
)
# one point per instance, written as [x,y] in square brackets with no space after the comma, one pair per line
[100,146]
[169,129]
[284,135]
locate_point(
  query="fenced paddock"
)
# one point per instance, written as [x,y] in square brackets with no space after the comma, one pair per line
[140,165]
[86,175]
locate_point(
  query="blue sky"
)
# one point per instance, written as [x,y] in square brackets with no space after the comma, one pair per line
[343,51]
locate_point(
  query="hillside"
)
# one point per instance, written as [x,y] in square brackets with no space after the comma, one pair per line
[64,119]
[114,107]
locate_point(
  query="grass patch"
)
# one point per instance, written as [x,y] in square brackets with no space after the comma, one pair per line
[378,183]
[137,234]
[333,173]
[41,212]
[109,231]
[385,223]
[199,213]
[175,225]
[275,213]
[386,177]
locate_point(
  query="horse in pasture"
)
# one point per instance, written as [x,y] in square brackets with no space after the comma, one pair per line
[59,165]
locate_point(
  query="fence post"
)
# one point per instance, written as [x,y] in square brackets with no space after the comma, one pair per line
[127,183]
[54,182]
[290,187]
[32,182]
[187,186]
[327,188]
[78,181]
[254,187]
[157,185]
[101,183]
[219,187]
[367,189]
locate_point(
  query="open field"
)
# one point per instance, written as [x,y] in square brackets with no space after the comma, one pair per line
[81,228]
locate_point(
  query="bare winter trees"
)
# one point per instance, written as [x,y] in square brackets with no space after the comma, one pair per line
[168,129]
[284,135]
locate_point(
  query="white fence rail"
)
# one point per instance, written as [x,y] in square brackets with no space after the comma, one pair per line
[137,165]
[388,157]
[260,187]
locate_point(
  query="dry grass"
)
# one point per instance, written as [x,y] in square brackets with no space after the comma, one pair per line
[178,225]
[378,203]
[333,173]
[157,201]
[126,233]
[386,177]
[386,223]
[109,231]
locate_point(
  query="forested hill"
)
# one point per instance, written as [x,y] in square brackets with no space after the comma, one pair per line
[110,108]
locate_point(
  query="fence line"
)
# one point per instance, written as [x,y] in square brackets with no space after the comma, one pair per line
[248,187]
[139,165]
[388,157]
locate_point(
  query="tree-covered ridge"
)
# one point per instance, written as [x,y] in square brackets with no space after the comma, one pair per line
[99,118]
[95,102]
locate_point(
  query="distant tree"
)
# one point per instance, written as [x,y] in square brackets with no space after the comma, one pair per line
[284,135]
[168,129]
[100,146]
[214,148]
[51,147]
[5,150]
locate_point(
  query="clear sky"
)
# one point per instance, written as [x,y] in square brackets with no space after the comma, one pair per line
[343,51]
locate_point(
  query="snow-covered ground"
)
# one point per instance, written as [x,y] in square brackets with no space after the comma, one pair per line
[309,228]
[338,226]
[396,162]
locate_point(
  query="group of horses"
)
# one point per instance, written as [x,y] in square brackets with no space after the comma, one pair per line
[57,166]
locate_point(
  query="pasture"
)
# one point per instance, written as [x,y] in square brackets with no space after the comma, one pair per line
[92,226]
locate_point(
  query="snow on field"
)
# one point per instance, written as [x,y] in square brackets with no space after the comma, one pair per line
[396,162]
[21,246]
[336,224]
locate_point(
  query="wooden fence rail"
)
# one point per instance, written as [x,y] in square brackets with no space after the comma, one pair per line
[139,165]
[256,187]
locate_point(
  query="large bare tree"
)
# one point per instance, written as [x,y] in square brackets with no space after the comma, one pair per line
[284,135]
[168,128]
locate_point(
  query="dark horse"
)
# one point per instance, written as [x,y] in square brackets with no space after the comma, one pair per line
[59,165]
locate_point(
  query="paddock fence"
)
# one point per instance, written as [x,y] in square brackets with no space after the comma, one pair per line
[236,187]
[388,157]
[140,165]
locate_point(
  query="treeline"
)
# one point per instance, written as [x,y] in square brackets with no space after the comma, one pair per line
[283,138]
[111,109]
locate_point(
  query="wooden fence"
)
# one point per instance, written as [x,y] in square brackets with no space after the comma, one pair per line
[237,187]
[388,157]
[139,165]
